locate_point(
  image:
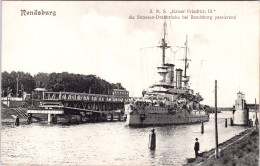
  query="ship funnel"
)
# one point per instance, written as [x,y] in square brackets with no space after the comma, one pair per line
[162,70]
[178,78]
[170,73]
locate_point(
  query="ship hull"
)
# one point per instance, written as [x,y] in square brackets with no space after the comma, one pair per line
[161,119]
[146,118]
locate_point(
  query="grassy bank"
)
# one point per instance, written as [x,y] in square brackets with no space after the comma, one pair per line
[242,149]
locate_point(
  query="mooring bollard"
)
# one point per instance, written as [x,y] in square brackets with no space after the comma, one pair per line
[202,127]
[226,122]
[152,140]
[16,123]
[231,121]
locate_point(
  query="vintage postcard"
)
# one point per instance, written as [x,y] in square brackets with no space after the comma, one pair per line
[130,83]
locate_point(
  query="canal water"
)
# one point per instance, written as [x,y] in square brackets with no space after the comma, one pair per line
[108,143]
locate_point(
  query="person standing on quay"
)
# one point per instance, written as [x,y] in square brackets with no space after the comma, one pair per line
[197,147]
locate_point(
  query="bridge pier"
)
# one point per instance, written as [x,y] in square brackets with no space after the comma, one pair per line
[50,118]
[92,118]
[80,118]
[119,117]
[98,117]
[69,121]
[29,118]
[104,119]
[112,117]
[54,119]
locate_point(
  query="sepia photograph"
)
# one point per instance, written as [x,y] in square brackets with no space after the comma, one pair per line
[140,83]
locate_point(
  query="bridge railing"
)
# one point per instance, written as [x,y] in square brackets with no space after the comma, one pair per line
[83,97]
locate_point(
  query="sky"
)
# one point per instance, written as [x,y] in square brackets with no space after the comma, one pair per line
[99,38]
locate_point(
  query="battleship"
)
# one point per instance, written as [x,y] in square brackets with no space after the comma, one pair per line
[170,100]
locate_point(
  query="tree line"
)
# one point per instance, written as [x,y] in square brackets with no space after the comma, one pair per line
[55,82]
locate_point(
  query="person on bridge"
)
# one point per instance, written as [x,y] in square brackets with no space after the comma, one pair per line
[196,147]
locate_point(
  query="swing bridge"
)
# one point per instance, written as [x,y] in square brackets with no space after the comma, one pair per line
[92,107]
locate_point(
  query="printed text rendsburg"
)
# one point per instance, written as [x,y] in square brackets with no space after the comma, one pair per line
[37,13]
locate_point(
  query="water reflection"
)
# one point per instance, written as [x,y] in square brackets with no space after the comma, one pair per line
[152,153]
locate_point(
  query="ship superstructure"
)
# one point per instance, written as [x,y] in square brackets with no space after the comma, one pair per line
[170,100]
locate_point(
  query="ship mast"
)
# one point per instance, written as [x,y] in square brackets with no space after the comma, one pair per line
[164,44]
[186,50]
